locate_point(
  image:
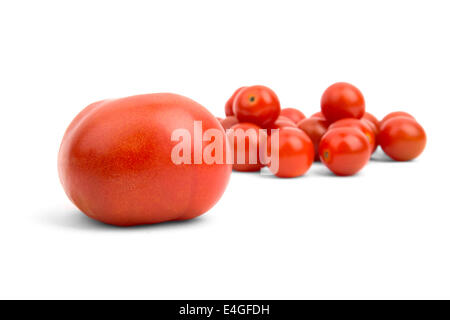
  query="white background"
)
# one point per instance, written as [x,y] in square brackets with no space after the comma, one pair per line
[384,233]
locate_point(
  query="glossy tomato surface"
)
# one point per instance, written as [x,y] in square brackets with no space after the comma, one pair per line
[342,100]
[115,161]
[294,153]
[402,138]
[229,103]
[344,151]
[395,114]
[258,105]
[360,125]
[315,128]
[245,140]
[294,114]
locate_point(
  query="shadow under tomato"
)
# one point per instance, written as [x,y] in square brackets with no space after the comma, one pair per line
[323,171]
[75,219]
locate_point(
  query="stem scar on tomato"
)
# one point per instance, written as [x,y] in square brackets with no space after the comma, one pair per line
[326,155]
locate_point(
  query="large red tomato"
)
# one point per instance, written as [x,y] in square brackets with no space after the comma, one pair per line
[115,161]
[315,128]
[245,140]
[258,105]
[344,151]
[402,138]
[342,100]
[294,152]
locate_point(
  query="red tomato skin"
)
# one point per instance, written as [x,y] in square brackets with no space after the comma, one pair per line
[115,161]
[294,114]
[229,103]
[402,138]
[250,143]
[394,115]
[318,115]
[375,131]
[281,122]
[342,100]
[258,105]
[315,128]
[228,122]
[345,151]
[295,152]
[370,117]
[360,125]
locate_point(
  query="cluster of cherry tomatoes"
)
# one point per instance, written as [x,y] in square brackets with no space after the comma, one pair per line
[342,135]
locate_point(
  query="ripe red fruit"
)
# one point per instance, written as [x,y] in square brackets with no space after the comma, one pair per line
[295,115]
[315,128]
[318,115]
[258,105]
[228,122]
[370,117]
[246,150]
[229,103]
[295,153]
[342,100]
[360,125]
[344,151]
[115,161]
[402,138]
[281,122]
[394,115]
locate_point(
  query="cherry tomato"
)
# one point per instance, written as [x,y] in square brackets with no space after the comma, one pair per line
[285,119]
[258,105]
[115,161]
[295,115]
[345,151]
[375,131]
[246,151]
[228,122]
[295,153]
[315,128]
[370,117]
[281,122]
[342,100]
[318,115]
[394,115]
[358,124]
[229,103]
[402,138]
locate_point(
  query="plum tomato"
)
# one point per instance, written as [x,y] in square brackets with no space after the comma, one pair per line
[358,124]
[342,100]
[228,122]
[402,138]
[258,105]
[229,103]
[115,161]
[294,114]
[394,115]
[315,128]
[244,138]
[295,153]
[344,151]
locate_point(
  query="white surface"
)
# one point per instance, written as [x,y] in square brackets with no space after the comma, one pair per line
[384,233]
